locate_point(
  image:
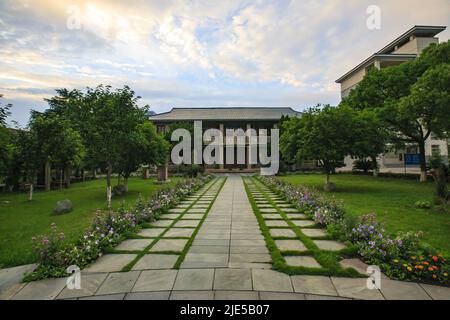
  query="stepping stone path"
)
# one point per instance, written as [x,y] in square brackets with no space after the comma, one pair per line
[215,240]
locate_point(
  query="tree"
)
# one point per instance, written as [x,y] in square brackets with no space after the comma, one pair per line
[61,144]
[108,118]
[28,152]
[4,113]
[144,146]
[370,137]
[394,93]
[322,133]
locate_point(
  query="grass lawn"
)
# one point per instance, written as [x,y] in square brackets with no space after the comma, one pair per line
[21,219]
[391,199]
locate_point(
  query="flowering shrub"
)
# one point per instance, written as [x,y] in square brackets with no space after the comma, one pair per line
[107,230]
[433,268]
[400,256]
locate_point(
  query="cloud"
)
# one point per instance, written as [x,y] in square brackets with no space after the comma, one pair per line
[196,53]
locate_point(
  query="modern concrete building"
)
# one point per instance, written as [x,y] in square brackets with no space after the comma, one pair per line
[226,118]
[404,48]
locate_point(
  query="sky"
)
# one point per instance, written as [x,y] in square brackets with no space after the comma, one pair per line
[196,53]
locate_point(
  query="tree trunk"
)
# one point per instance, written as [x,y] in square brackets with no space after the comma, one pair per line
[30,197]
[327,178]
[60,179]
[375,166]
[48,175]
[82,174]
[67,176]
[423,162]
[108,187]
[125,183]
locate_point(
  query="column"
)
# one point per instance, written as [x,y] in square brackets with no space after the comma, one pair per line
[248,158]
[221,128]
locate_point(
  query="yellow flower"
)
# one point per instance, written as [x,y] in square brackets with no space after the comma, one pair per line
[409,268]
[445,274]
[405,265]
[396,261]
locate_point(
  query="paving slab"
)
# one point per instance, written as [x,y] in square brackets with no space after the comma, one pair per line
[118,282]
[11,279]
[47,289]
[187,223]
[111,262]
[269,280]
[212,242]
[313,233]
[156,261]
[89,285]
[155,280]
[250,257]
[205,260]
[118,296]
[303,223]
[151,295]
[437,292]
[151,232]
[192,295]
[134,244]
[320,285]
[249,265]
[276,223]
[282,233]
[294,216]
[319,297]
[179,232]
[209,249]
[239,242]
[329,245]
[194,279]
[233,279]
[192,216]
[281,296]
[355,288]
[275,216]
[161,223]
[249,249]
[302,261]
[169,245]
[290,245]
[236,295]
[170,216]
[402,290]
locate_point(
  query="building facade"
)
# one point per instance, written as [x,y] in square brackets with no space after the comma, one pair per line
[235,118]
[406,47]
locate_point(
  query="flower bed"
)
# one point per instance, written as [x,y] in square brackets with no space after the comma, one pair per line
[108,229]
[400,256]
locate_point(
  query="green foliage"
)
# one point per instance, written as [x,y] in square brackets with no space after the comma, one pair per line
[322,133]
[423,204]
[411,99]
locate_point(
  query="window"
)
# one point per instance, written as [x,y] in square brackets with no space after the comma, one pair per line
[435,150]
[161,128]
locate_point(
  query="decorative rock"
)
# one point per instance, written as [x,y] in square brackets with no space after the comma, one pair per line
[119,190]
[62,207]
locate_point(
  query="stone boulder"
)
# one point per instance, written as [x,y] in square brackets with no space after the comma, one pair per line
[119,190]
[62,207]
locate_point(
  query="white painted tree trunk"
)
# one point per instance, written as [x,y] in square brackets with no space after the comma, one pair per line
[30,197]
[108,196]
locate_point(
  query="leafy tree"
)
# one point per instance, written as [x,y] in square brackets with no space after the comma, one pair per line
[28,152]
[4,113]
[144,147]
[399,96]
[370,137]
[324,134]
[61,144]
[108,118]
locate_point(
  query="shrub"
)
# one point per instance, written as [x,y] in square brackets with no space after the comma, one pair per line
[107,230]
[423,204]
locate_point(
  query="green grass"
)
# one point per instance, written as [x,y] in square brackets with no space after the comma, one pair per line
[21,219]
[392,199]
[328,260]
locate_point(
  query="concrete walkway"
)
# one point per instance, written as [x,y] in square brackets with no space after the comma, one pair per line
[228,259]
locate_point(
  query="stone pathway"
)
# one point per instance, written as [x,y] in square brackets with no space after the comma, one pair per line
[227,258]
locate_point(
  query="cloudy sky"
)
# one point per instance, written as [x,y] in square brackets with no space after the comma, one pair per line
[195,53]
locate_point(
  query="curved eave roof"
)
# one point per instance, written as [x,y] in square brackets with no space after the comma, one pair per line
[224,114]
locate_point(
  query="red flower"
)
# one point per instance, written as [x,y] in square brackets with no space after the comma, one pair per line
[435,259]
